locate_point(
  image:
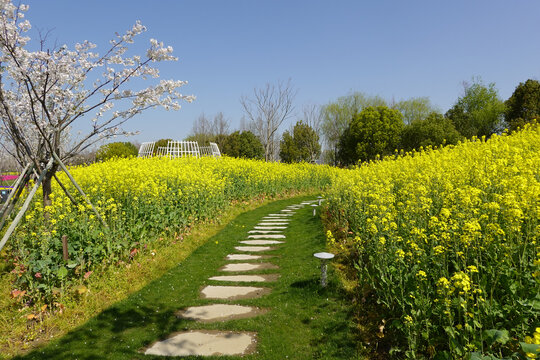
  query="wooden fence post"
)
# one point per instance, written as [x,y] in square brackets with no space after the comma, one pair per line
[65,248]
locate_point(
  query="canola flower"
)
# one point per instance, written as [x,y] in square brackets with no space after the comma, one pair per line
[140,200]
[449,235]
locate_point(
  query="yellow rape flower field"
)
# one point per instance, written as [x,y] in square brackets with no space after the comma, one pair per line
[140,200]
[445,243]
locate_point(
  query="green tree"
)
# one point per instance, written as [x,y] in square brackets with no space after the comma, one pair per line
[524,104]
[243,144]
[337,116]
[116,149]
[435,130]
[415,109]
[302,145]
[479,112]
[375,131]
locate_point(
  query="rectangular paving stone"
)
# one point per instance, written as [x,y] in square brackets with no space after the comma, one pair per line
[247,267]
[246,278]
[267,236]
[243,257]
[271,224]
[261,242]
[205,343]
[254,248]
[219,312]
[233,292]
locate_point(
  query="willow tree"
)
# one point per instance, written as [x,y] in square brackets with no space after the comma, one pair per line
[44,92]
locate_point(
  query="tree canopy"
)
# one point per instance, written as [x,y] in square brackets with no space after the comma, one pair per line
[301,145]
[435,130]
[116,150]
[337,116]
[243,144]
[374,132]
[524,104]
[415,109]
[479,112]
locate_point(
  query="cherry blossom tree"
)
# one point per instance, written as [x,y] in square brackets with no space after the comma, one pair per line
[44,92]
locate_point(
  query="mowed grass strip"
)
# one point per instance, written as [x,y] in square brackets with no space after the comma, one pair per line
[304,321]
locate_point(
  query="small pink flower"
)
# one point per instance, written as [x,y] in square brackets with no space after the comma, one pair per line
[38,276]
[87,275]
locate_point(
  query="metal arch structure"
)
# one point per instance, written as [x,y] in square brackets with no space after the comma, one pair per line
[215,150]
[175,149]
[147,149]
[182,149]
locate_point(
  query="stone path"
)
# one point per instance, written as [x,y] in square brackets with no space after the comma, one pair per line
[269,231]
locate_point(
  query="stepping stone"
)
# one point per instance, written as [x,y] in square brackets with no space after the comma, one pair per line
[219,312]
[205,343]
[243,257]
[288,210]
[270,227]
[247,267]
[274,219]
[246,278]
[278,215]
[267,236]
[270,224]
[254,248]
[265,231]
[261,242]
[233,292]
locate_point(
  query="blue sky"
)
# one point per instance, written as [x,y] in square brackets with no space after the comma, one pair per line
[394,49]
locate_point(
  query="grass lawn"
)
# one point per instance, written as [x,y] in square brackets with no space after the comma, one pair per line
[304,321]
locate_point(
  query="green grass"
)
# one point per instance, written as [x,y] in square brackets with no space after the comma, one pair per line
[304,321]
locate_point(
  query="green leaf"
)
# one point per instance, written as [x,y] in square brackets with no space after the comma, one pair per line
[443,355]
[476,356]
[72,265]
[494,335]
[62,272]
[530,348]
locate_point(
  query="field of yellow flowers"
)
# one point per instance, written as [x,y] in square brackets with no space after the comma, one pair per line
[140,200]
[446,242]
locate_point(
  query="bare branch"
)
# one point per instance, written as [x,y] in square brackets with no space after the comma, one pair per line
[267,110]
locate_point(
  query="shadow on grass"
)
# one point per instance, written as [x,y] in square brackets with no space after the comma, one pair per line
[306,321]
[114,333]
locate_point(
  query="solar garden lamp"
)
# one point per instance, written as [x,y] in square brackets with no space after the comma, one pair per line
[324,257]
[314,209]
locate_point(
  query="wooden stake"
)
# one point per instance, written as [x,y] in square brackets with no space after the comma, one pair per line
[65,248]
[65,190]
